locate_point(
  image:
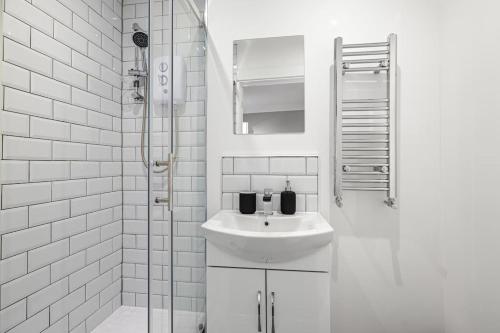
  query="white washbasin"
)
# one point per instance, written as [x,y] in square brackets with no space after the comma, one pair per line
[282,238]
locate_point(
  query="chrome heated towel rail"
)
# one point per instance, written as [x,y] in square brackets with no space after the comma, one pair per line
[365,122]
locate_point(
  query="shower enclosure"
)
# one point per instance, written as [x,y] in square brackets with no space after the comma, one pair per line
[173,143]
[103,166]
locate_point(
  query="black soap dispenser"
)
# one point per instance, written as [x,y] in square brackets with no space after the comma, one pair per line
[288,201]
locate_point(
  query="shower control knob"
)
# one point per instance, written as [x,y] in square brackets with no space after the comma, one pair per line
[163,67]
[163,80]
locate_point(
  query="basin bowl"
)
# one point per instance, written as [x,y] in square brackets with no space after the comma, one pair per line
[275,238]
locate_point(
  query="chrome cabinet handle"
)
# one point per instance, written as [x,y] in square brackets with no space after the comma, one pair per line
[259,326]
[273,330]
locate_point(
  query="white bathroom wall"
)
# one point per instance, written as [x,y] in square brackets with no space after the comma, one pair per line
[60,218]
[387,274]
[470,164]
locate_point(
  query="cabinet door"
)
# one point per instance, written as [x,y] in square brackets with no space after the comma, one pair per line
[301,302]
[233,300]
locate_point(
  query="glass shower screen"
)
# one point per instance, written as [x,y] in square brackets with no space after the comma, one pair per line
[176,176]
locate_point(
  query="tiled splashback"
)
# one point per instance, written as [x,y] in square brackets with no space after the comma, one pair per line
[256,173]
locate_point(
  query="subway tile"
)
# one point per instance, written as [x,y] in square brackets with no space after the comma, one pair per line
[13,267]
[68,189]
[85,64]
[100,24]
[26,149]
[111,108]
[50,47]
[15,77]
[81,277]
[26,285]
[312,166]
[70,113]
[49,129]
[70,75]
[99,55]
[86,30]
[99,218]
[12,315]
[84,170]
[98,284]
[99,120]
[67,36]
[82,312]
[235,183]
[112,78]
[111,47]
[68,227]
[111,230]
[85,205]
[84,134]
[24,240]
[16,29]
[36,323]
[97,317]
[49,212]
[77,6]
[68,265]
[261,182]
[111,199]
[66,305]
[14,124]
[60,327]
[227,165]
[13,219]
[69,151]
[311,203]
[19,101]
[110,138]
[99,153]
[100,88]
[47,254]
[27,58]
[50,88]
[55,10]
[112,17]
[47,296]
[30,15]
[85,99]
[288,165]
[16,195]
[99,185]
[304,184]
[14,172]
[251,165]
[48,170]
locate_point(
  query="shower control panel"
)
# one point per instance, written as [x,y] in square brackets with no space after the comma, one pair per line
[161,80]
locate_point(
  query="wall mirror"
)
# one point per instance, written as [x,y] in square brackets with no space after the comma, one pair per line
[268,85]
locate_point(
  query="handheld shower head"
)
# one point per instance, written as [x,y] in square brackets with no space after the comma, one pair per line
[140,39]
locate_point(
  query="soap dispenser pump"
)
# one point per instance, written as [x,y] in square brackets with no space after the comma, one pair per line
[288,200]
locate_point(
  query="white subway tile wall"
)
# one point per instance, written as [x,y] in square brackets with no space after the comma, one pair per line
[189,174]
[255,174]
[61,192]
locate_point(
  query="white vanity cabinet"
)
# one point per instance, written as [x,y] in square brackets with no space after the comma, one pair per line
[268,274]
[242,300]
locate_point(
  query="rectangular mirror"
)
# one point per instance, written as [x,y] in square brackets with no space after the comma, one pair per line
[268,85]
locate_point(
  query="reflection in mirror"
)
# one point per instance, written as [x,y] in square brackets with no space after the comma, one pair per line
[268,85]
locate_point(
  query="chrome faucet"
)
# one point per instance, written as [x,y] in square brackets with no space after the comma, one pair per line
[268,202]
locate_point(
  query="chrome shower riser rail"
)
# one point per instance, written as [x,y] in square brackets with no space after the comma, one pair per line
[381,135]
